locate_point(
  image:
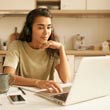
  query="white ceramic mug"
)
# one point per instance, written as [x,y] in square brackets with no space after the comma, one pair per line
[4,82]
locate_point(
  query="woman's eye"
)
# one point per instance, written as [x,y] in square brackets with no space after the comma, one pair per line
[49,27]
[40,27]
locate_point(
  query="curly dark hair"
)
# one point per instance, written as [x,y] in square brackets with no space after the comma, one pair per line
[26,33]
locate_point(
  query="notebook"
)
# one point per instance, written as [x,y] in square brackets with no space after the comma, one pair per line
[91,81]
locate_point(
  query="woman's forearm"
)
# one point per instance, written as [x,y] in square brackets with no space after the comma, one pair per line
[51,86]
[18,80]
[64,69]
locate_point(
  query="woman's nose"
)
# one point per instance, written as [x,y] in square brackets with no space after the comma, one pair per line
[45,31]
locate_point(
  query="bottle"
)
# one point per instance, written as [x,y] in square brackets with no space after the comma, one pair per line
[4,47]
[14,36]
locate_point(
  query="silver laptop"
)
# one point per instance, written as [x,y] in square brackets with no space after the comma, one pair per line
[91,81]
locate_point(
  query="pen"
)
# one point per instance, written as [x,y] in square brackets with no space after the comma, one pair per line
[35,91]
[21,90]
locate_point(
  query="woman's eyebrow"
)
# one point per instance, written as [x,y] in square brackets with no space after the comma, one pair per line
[44,24]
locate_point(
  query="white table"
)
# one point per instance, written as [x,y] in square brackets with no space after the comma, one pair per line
[37,103]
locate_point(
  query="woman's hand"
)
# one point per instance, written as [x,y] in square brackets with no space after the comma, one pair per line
[50,85]
[51,44]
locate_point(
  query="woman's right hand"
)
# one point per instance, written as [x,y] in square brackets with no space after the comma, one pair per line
[50,85]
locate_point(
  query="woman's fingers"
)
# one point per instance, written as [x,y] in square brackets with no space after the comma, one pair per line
[51,44]
[45,45]
[51,86]
[56,87]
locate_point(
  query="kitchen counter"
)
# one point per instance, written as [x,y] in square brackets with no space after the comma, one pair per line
[87,52]
[78,52]
[2,52]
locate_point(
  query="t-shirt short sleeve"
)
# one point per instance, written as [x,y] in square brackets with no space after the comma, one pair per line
[12,56]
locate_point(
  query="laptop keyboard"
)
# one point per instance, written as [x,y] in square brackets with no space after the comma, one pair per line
[62,96]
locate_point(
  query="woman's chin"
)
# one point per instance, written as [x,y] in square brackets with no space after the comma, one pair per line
[43,42]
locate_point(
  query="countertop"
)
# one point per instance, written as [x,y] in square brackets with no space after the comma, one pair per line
[87,52]
[77,52]
[3,52]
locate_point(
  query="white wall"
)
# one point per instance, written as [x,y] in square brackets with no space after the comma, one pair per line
[7,25]
[95,29]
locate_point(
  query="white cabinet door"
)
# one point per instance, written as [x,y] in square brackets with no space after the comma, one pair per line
[98,4]
[73,4]
[17,4]
[109,5]
[71,61]
[77,62]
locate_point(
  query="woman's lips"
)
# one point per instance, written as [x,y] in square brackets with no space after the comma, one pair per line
[45,38]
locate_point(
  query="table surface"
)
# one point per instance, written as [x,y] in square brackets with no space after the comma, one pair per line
[33,102]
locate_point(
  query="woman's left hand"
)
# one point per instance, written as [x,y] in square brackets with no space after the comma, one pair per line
[51,44]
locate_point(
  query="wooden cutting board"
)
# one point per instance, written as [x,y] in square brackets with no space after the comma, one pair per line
[14,36]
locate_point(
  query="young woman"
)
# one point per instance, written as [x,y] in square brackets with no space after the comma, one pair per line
[32,58]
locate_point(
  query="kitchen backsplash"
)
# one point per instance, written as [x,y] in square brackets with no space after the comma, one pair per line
[94,29]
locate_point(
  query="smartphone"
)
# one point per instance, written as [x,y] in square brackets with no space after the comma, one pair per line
[16,99]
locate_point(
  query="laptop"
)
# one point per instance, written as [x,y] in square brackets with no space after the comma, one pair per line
[91,81]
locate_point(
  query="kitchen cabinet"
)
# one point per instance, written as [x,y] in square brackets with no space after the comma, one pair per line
[71,61]
[79,54]
[98,4]
[51,4]
[77,63]
[63,4]
[16,6]
[61,8]
[73,5]
[109,4]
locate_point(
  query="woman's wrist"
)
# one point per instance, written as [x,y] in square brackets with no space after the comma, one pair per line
[61,47]
[36,83]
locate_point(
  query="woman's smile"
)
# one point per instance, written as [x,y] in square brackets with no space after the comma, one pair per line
[44,37]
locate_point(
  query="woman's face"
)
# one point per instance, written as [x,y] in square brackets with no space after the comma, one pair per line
[41,29]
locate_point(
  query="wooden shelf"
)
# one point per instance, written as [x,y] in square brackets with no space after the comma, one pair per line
[61,13]
[3,52]
[14,12]
[48,0]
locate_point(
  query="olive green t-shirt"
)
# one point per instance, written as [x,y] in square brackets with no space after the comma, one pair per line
[31,63]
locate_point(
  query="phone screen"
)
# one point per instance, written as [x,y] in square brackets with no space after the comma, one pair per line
[16,98]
